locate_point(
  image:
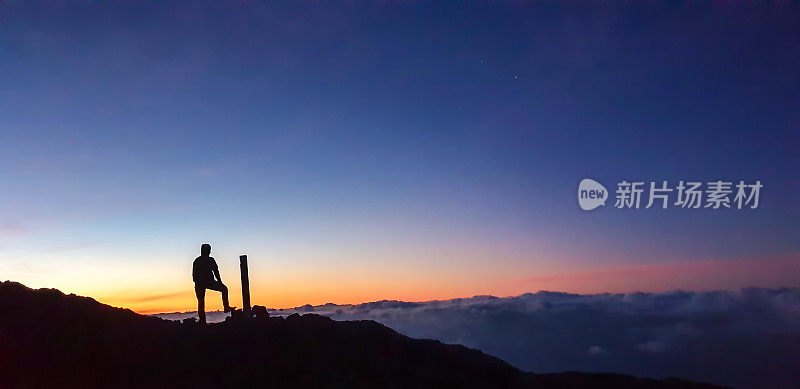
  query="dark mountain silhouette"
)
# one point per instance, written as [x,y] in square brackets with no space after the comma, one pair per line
[48,339]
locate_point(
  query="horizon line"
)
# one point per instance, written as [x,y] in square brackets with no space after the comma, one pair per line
[737,289]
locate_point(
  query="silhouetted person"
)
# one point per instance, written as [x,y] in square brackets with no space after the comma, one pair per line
[204,270]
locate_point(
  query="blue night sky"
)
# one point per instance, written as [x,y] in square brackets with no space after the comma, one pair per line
[361,151]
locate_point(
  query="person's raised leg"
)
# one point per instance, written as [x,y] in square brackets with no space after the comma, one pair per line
[218,286]
[225,304]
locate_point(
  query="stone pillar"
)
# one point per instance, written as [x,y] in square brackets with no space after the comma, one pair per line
[245,284]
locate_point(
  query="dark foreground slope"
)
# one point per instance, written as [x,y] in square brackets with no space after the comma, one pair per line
[51,339]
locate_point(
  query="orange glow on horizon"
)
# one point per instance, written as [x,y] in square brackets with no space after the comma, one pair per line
[310,289]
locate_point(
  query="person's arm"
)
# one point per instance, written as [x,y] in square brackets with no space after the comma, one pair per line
[215,269]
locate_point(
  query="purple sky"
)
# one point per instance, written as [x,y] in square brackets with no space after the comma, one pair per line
[391,150]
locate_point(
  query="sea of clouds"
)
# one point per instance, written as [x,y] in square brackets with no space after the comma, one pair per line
[748,338]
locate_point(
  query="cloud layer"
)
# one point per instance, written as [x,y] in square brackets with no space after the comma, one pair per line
[745,338]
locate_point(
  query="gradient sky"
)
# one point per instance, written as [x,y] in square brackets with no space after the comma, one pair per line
[413,151]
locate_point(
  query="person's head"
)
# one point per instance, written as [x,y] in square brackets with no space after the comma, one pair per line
[205,249]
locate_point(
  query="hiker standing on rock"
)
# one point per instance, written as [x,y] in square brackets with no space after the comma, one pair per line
[204,270]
